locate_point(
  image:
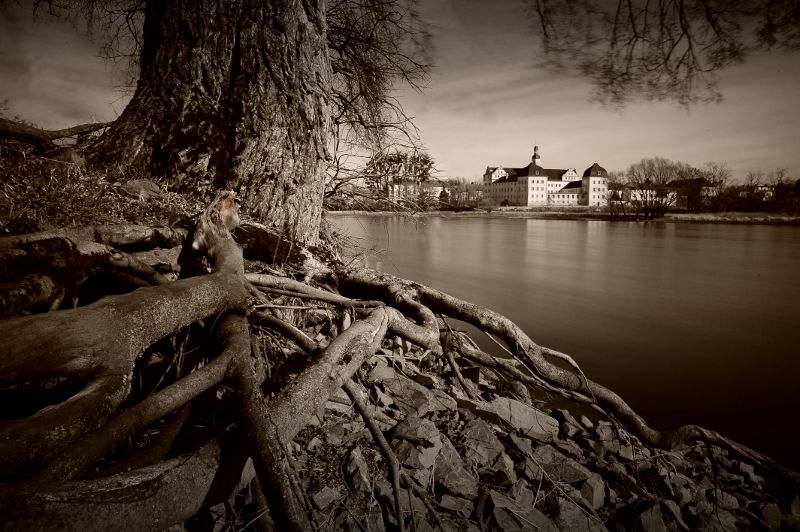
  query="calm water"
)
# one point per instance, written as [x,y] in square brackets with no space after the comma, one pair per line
[690,323]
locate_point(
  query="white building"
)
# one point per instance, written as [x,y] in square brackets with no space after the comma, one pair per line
[534,185]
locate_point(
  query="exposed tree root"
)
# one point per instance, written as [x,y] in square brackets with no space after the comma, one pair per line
[533,356]
[103,345]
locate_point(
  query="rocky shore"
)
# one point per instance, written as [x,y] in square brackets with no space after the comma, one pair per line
[507,461]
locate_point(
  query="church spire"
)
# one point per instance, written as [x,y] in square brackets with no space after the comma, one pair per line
[536,158]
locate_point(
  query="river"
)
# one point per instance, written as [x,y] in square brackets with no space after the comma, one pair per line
[688,322]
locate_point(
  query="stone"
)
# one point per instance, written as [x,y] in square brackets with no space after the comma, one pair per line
[548,461]
[500,512]
[413,399]
[674,511]
[313,443]
[570,516]
[626,452]
[457,505]
[503,471]
[794,507]
[416,442]
[586,422]
[409,503]
[725,500]
[593,490]
[481,446]
[450,474]
[525,419]
[324,497]
[142,189]
[521,493]
[357,473]
[650,520]
[375,519]
[381,372]
[770,514]
[570,448]
[443,401]
[429,381]
[458,525]
[163,260]
[604,431]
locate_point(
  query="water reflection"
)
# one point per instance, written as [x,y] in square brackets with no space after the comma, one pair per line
[688,322]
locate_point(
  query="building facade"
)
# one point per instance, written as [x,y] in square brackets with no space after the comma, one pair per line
[534,185]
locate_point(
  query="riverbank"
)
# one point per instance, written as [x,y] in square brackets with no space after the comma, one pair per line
[499,458]
[591,214]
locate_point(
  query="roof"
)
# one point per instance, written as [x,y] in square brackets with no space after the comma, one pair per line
[595,171]
[572,184]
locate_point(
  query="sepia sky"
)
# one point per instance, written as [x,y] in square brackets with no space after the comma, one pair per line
[487,103]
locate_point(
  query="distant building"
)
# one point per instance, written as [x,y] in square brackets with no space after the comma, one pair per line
[533,185]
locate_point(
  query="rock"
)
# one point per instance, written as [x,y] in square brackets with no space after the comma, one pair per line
[457,505]
[162,260]
[527,420]
[409,503]
[449,473]
[324,497]
[555,466]
[357,473]
[141,188]
[443,401]
[794,507]
[626,452]
[521,493]
[429,381]
[593,491]
[570,448]
[381,372]
[412,398]
[503,471]
[458,525]
[725,500]
[641,516]
[770,514]
[416,442]
[521,445]
[499,512]
[569,516]
[674,511]
[604,431]
[481,446]
[313,443]
[375,520]
[586,422]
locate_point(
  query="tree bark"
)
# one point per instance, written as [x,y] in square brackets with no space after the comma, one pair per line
[232,95]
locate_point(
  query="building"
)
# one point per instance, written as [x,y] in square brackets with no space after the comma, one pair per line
[534,185]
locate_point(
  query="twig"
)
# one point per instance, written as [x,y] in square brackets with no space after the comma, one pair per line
[394,464]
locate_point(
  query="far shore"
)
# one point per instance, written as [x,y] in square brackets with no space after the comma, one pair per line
[555,214]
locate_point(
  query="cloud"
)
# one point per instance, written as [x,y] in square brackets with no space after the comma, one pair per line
[51,73]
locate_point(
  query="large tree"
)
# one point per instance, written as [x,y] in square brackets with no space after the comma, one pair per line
[231,95]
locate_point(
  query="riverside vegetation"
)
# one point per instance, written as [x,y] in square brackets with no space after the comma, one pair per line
[352,394]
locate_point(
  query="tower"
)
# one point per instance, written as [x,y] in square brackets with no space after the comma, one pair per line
[536,159]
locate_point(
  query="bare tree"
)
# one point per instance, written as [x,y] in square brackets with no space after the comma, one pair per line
[717,176]
[649,183]
[661,49]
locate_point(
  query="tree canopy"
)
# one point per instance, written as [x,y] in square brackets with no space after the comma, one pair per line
[660,49]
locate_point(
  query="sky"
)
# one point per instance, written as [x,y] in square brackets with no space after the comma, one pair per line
[487,102]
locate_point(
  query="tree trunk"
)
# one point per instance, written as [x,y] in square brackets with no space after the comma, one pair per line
[231,94]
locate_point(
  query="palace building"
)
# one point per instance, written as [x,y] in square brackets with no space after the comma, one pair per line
[533,185]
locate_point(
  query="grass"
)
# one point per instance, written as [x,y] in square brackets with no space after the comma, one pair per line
[40,194]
